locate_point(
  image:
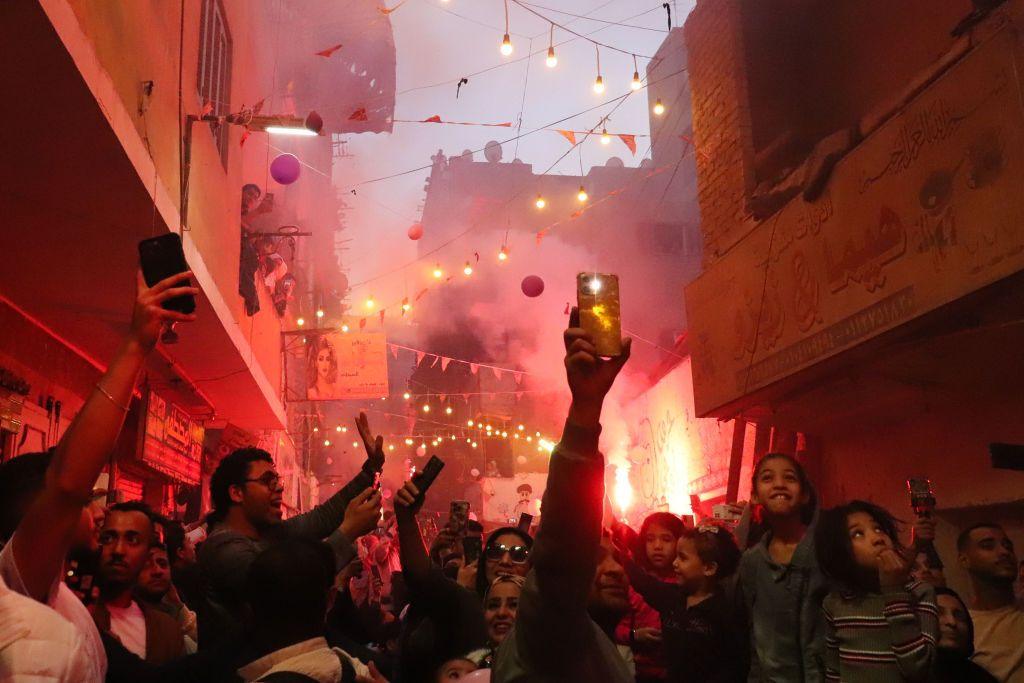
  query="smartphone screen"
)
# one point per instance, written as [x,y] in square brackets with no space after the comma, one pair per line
[161,257]
[597,295]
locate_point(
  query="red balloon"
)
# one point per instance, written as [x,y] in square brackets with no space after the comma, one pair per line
[416,231]
[533,286]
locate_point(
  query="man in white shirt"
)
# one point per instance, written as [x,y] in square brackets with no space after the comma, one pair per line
[987,554]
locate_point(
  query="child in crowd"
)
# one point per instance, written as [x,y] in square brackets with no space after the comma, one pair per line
[705,637]
[881,625]
[780,582]
[641,629]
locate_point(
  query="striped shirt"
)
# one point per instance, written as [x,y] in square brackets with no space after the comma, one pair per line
[881,637]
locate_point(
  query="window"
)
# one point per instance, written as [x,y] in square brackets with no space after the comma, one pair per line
[214,79]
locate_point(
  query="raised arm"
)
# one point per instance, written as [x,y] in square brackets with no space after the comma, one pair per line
[658,594]
[325,518]
[44,536]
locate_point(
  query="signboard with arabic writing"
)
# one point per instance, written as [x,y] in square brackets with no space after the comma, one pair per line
[926,210]
[172,441]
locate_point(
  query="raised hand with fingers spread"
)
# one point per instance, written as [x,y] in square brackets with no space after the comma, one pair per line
[374,445]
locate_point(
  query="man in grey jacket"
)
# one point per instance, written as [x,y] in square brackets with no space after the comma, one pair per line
[246,519]
[556,637]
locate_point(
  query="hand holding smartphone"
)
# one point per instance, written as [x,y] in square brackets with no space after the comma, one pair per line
[597,295]
[160,258]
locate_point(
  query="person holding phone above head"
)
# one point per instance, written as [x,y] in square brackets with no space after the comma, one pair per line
[321,369]
[51,515]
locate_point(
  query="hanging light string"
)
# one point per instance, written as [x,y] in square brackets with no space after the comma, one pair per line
[594,19]
[551,60]
[599,81]
[569,30]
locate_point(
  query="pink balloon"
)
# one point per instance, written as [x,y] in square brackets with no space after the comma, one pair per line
[415,231]
[474,472]
[421,451]
[285,169]
[478,676]
[533,286]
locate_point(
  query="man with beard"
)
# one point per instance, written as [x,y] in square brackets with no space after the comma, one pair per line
[987,554]
[156,590]
[127,535]
[577,590]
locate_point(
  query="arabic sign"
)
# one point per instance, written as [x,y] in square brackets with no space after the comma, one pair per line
[172,442]
[346,366]
[926,210]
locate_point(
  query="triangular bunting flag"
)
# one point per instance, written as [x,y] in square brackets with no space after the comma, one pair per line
[497,373]
[433,119]
[444,363]
[419,357]
[394,350]
[381,316]
[420,295]
[359,115]
[518,377]
[362,323]
[329,51]
[519,396]
[630,141]
[442,397]
[474,368]
[568,135]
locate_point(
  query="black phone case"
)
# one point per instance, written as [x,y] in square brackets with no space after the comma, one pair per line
[423,480]
[161,257]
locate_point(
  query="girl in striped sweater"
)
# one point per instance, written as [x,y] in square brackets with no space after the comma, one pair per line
[881,625]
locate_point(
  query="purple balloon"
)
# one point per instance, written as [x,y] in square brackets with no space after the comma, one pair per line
[285,169]
[532,286]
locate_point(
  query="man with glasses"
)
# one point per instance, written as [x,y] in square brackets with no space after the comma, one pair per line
[126,537]
[246,493]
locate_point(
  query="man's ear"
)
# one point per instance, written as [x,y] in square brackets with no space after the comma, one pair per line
[236,494]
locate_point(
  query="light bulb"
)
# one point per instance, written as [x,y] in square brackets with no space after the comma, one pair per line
[448,410]
[503,254]
[504,435]
[327,442]
[529,438]
[552,60]
[344,328]
[438,273]
[599,85]
[408,442]
[541,202]
[636,83]
[300,322]
[468,270]
[506,45]
[582,194]
[406,307]
[391,446]
[521,427]
[516,436]
[474,444]
[426,407]
[344,429]
[315,429]
[338,428]
[659,108]
[355,444]
[370,303]
[469,423]
[605,138]
[406,396]
[319,312]
[453,437]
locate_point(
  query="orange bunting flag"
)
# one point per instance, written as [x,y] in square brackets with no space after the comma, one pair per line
[540,237]
[382,316]
[420,295]
[630,141]
[245,136]
[433,119]
[362,323]
[207,108]
[385,11]
[576,214]
[329,51]
[359,115]
[568,135]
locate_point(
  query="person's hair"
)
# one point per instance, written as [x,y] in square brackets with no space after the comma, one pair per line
[524,487]
[21,480]
[174,538]
[144,508]
[942,590]
[287,588]
[964,539]
[806,486]
[518,581]
[715,543]
[322,342]
[674,525]
[232,471]
[834,547]
[252,186]
[481,567]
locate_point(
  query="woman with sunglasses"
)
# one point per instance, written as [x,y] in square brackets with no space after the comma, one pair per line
[506,553]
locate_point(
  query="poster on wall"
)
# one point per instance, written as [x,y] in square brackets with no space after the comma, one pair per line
[505,498]
[346,365]
[172,441]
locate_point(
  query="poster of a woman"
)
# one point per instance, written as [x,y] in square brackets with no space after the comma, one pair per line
[321,369]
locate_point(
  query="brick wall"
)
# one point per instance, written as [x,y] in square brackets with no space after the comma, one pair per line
[721,122]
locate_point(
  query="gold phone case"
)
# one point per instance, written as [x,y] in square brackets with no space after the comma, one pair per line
[597,295]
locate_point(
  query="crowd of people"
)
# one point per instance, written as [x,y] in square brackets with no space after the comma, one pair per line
[350,592]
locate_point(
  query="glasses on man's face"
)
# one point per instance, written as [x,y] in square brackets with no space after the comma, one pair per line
[517,553]
[270,480]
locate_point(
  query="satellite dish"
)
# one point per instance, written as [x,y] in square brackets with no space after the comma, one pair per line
[615,162]
[467,155]
[517,161]
[492,152]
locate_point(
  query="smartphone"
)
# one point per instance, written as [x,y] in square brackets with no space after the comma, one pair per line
[725,513]
[922,498]
[597,295]
[458,515]
[161,257]
[525,522]
[425,478]
[472,546]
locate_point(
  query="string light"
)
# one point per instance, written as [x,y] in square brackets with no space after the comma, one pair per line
[370,303]
[406,307]
[344,328]
[468,270]
[300,322]
[406,395]
[605,138]
[659,108]
[408,442]
[327,442]
[503,253]
[355,444]
[438,273]
[391,446]
[469,423]
[541,202]
[474,444]
[426,407]
[521,427]
[636,84]
[319,312]
[315,429]
[338,428]
[448,410]
[599,82]
[506,45]
[552,60]
[582,194]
